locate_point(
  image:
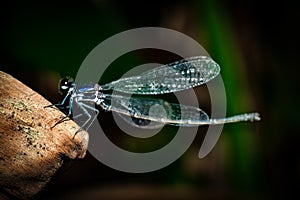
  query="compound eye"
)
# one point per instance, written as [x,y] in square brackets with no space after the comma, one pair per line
[65,84]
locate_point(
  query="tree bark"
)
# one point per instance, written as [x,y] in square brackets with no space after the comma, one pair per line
[30,151]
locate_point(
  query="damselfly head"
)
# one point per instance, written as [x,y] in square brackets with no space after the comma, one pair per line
[65,84]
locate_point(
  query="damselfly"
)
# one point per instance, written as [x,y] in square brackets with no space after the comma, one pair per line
[173,77]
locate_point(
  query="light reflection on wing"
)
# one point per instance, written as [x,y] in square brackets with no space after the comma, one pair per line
[176,76]
[154,113]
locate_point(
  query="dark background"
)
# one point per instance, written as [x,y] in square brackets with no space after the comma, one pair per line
[255,42]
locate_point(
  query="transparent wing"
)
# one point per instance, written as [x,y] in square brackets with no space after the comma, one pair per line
[153,113]
[180,75]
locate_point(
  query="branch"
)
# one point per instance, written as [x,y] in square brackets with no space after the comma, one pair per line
[30,152]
